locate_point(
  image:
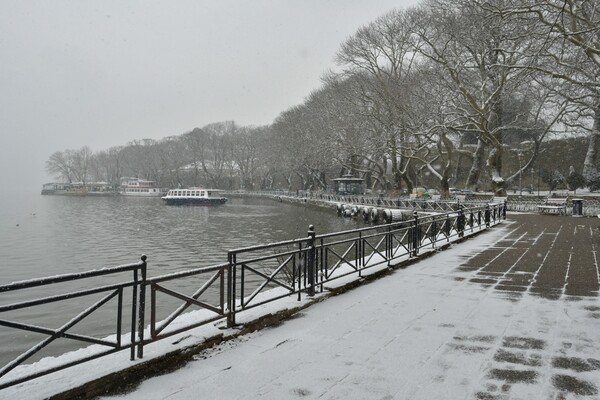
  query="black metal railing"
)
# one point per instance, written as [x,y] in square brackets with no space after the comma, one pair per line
[522,203]
[127,276]
[252,276]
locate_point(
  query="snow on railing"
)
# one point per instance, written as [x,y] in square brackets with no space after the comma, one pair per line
[252,276]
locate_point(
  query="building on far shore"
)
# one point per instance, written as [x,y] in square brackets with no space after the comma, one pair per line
[79,189]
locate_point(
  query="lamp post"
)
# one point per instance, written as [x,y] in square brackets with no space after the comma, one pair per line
[539,176]
[520,156]
[531,180]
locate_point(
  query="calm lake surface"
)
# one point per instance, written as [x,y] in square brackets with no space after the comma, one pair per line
[50,235]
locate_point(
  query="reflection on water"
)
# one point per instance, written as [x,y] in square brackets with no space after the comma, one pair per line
[59,234]
[50,235]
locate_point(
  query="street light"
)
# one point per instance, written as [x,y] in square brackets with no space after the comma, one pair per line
[520,155]
[531,180]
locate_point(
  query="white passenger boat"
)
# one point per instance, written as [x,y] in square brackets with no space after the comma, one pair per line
[194,197]
[139,188]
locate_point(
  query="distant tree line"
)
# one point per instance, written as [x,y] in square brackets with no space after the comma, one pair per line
[450,93]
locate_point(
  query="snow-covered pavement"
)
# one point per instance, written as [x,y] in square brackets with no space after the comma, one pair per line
[485,319]
[512,313]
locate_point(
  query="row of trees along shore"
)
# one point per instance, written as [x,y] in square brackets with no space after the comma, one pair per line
[466,93]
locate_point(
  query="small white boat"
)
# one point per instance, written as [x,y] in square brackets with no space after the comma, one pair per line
[194,197]
[139,188]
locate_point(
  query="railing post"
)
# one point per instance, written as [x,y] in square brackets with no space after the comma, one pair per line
[471,219]
[460,221]
[415,234]
[359,252]
[134,310]
[142,308]
[487,215]
[297,269]
[230,295]
[310,264]
[389,243]
[433,232]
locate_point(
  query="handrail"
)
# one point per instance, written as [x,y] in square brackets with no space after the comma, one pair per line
[115,290]
[30,283]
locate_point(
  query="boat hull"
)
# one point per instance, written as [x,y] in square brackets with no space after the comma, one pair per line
[217,201]
[141,194]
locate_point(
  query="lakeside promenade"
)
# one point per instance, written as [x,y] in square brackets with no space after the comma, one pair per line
[512,313]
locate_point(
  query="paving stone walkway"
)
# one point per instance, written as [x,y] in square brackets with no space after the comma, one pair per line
[547,256]
[511,314]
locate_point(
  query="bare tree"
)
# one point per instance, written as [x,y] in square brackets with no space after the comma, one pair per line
[380,57]
[570,34]
[215,154]
[481,59]
[60,165]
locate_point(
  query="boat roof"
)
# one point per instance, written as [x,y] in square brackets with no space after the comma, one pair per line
[200,188]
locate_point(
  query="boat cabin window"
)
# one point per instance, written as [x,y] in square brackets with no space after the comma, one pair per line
[202,193]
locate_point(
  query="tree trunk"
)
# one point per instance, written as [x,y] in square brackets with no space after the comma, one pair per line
[495,165]
[477,167]
[590,165]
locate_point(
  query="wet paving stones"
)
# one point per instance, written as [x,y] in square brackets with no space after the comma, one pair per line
[571,384]
[552,259]
[547,256]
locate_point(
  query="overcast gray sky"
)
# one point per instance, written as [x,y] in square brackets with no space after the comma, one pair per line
[104,72]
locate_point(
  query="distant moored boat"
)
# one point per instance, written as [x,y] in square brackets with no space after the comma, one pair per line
[194,197]
[139,188]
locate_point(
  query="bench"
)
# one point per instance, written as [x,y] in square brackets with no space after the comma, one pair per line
[498,200]
[553,206]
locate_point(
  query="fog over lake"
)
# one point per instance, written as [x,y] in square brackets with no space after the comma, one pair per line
[104,73]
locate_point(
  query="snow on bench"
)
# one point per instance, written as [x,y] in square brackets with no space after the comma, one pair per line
[553,206]
[498,200]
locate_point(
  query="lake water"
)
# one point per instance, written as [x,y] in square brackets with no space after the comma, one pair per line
[49,235]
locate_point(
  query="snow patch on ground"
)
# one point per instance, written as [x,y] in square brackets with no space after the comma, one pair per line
[423,332]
